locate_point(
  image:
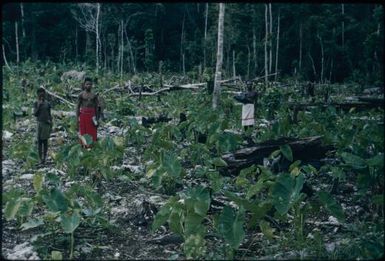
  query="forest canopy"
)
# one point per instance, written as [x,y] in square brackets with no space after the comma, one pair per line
[317,42]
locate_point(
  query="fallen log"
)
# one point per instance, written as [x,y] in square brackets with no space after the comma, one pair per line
[166,240]
[58,97]
[375,90]
[146,122]
[304,149]
[379,101]
[167,89]
[62,114]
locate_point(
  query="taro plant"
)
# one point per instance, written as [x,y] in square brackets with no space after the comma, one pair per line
[230,226]
[370,171]
[106,151]
[165,168]
[63,208]
[185,214]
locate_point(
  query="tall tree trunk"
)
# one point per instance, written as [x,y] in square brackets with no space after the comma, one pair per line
[88,46]
[228,59]
[322,58]
[76,44]
[277,48]
[255,53]
[300,48]
[343,25]
[97,36]
[181,44]
[17,43]
[5,59]
[248,61]
[105,51]
[121,48]
[34,51]
[218,69]
[22,20]
[266,39]
[183,65]
[234,75]
[270,39]
[112,57]
[313,66]
[331,70]
[131,55]
[205,38]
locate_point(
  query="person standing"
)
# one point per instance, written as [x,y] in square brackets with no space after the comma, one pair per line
[87,111]
[42,111]
[248,107]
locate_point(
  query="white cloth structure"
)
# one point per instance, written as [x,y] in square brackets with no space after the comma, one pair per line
[247,114]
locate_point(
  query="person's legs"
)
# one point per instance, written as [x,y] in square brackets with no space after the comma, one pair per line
[45,149]
[248,129]
[40,149]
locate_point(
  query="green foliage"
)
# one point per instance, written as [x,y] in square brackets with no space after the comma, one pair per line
[230,226]
[286,192]
[70,222]
[286,151]
[56,200]
[185,216]
[331,205]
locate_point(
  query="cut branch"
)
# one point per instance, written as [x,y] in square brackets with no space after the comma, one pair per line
[58,97]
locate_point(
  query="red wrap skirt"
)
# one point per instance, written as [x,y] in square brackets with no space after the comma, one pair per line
[86,126]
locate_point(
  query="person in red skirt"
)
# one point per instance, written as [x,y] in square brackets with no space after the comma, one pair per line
[87,111]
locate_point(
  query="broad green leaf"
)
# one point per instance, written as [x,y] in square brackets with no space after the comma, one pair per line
[354,161]
[266,229]
[241,202]
[172,165]
[286,192]
[294,165]
[247,171]
[258,212]
[193,223]
[32,223]
[309,169]
[331,205]
[11,208]
[38,180]
[376,161]
[286,152]
[55,200]
[254,189]
[241,182]
[218,162]
[26,207]
[274,154]
[70,222]
[295,172]
[198,200]
[176,220]
[378,199]
[216,180]
[230,225]
[161,217]
[56,255]
[74,152]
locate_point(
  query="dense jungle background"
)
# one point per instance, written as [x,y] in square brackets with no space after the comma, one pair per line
[173,174]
